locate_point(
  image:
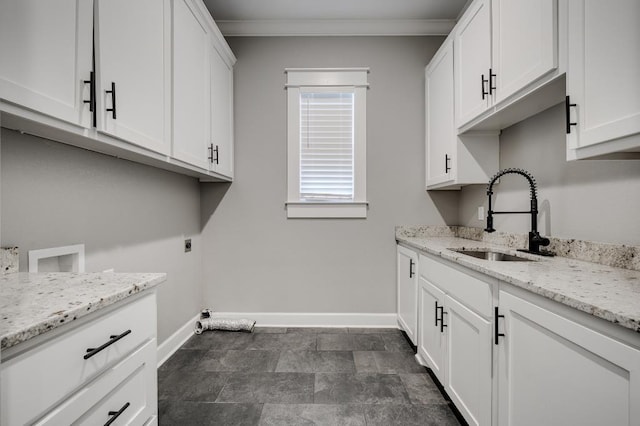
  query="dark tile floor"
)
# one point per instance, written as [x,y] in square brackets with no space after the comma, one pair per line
[299,376]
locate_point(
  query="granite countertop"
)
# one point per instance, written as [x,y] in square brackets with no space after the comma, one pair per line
[31,304]
[604,291]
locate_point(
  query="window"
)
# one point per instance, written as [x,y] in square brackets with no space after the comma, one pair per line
[326,140]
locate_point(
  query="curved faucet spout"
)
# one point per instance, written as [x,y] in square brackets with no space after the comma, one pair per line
[535,240]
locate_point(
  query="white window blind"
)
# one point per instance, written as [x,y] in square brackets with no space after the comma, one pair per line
[327,146]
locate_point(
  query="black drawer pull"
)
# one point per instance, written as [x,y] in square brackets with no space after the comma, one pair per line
[112,339]
[496,329]
[112,110]
[442,314]
[116,414]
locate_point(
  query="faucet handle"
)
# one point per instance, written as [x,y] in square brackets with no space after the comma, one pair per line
[489,227]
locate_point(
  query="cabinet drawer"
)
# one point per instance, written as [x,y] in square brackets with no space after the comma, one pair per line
[36,380]
[129,388]
[471,291]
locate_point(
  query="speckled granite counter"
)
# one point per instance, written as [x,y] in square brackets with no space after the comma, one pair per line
[31,304]
[604,291]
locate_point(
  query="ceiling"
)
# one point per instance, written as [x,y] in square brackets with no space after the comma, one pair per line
[335,17]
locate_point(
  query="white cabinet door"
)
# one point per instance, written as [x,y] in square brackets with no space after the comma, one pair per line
[432,335]
[472,62]
[132,72]
[469,354]
[525,43]
[221,114]
[45,51]
[440,127]
[602,74]
[553,371]
[407,281]
[191,86]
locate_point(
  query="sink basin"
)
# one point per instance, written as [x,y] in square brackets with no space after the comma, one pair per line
[493,255]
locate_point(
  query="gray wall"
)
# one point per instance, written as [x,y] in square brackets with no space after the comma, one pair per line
[130,217]
[256,260]
[596,200]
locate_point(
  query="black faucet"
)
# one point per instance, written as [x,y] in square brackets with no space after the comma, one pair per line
[535,239]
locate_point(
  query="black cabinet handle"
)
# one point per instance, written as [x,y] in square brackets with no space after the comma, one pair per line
[210,157]
[112,339]
[112,110]
[116,414]
[567,111]
[483,86]
[92,84]
[411,273]
[496,330]
[442,314]
[492,76]
[92,96]
[437,307]
[217,155]
[447,168]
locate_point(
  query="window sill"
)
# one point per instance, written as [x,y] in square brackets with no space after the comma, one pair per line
[330,210]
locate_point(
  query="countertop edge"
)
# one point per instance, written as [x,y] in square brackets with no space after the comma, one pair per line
[564,299]
[147,281]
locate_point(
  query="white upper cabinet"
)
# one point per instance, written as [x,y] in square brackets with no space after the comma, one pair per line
[603,83]
[132,69]
[221,114]
[440,128]
[452,161]
[473,61]
[505,49]
[191,95]
[202,91]
[45,48]
[524,43]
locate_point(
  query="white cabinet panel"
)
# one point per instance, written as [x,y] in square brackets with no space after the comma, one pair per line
[432,337]
[46,48]
[553,371]
[130,56]
[191,85]
[525,37]
[221,114]
[469,357]
[602,77]
[440,126]
[473,61]
[407,291]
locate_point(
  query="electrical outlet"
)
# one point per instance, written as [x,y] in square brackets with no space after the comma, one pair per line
[481,213]
[187,245]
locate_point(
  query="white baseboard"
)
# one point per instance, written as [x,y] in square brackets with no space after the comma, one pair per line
[177,339]
[421,360]
[299,319]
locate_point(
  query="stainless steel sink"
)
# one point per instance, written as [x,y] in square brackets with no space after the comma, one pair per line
[493,255]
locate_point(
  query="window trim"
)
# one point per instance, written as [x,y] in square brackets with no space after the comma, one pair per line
[323,79]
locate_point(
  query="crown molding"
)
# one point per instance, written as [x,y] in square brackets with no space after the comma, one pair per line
[340,27]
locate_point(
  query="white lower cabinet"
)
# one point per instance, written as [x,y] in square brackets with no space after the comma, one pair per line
[506,356]
[554,371]
[455,337]
[87,369]
[431,338]
[407,291]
